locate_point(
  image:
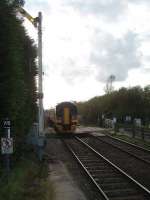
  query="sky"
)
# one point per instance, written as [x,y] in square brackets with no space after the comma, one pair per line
[87,41]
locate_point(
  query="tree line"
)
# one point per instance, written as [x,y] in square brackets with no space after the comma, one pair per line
[133,102]
[18,71]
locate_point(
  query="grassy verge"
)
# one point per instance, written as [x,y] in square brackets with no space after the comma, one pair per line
[135,141]
[27,181]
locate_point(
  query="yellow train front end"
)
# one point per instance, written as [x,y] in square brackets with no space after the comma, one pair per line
[66,118]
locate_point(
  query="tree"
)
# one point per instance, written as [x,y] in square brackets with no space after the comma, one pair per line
[17,71]
[134,102]
[109,84]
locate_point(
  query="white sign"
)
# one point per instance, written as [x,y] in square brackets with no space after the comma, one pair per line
[114,120]
[7,145]
[6,123]
[128,118]
[138,122]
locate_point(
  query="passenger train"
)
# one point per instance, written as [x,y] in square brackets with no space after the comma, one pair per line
[66,117]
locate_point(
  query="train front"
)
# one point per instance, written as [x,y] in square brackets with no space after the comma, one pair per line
[66,117]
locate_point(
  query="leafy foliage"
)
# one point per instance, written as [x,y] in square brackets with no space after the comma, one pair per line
[134,102]
[17,70]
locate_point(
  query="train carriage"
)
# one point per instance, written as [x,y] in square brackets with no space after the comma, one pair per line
[66,117]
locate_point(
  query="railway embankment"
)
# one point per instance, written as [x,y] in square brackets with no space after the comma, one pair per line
[128,137]
[27,180]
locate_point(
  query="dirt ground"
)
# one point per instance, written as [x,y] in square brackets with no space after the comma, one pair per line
[65,186]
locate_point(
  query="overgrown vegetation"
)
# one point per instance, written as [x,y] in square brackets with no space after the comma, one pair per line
[18,100]
[17,71]
[28,181]
[134,102]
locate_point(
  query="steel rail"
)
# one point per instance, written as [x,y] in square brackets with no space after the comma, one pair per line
[123,150]
[117,168]
[138,147]
[82,165]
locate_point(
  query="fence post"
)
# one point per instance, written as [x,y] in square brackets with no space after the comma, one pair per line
[133,131]
[116,128]
[142,133]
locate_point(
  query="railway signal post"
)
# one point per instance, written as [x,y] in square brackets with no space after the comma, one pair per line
[37,23]
[40,72]
[39,138]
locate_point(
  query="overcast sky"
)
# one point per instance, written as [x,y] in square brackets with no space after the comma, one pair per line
[86,41]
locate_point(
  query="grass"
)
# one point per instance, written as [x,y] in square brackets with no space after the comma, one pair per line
[27,181]
[136,141]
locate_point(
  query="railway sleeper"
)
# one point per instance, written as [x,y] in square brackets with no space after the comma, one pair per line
[121,192]
[101,171]
[134,197]
[95,165]
[91,161]
[102,167]
[114,185]
[103,176]
[109,180]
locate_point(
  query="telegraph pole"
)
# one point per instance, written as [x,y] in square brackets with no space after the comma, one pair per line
[40,76]
[37,23]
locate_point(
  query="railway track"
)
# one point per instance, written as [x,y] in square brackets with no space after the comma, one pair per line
[134,150]
[131,160]
[110,180]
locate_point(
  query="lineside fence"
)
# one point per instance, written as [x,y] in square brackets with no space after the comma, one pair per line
[140,132]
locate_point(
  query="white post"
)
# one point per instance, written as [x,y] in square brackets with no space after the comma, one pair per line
[40,73]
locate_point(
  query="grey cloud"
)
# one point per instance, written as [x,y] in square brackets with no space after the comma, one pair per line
[106,8]
[73,72]
[145,70]
[39,2]
[71,76]
[139,1]
[147,58]
[115,56]
[39,5]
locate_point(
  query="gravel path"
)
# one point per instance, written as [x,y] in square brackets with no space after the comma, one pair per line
[65,186]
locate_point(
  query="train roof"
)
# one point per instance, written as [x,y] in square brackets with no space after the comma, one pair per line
[66,103]
[62,105]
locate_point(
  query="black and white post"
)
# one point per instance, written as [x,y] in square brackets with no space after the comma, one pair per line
[7,143]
